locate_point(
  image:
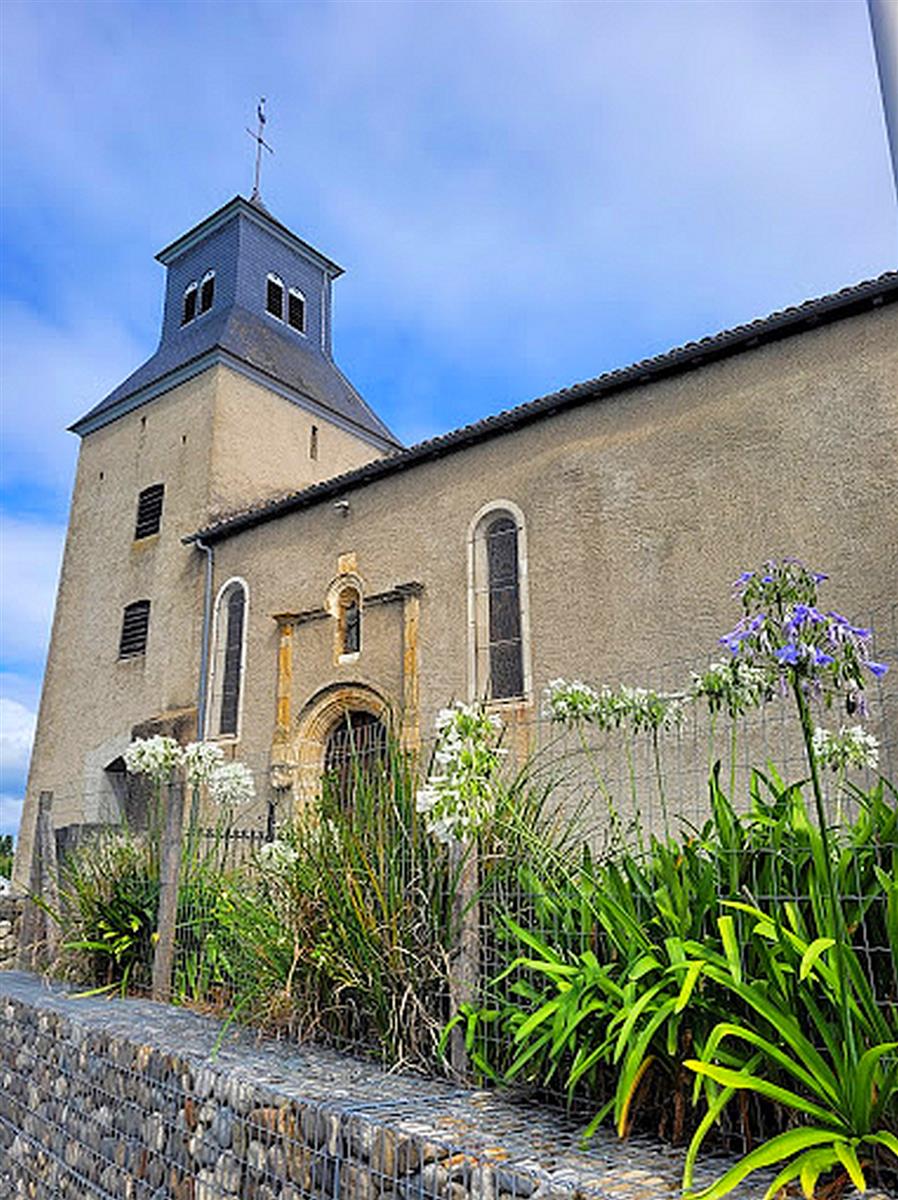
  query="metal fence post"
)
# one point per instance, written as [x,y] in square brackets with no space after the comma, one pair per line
[464,970]
[169,875]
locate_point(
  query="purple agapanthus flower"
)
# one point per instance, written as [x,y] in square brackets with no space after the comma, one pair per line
[783,632]
[788,653]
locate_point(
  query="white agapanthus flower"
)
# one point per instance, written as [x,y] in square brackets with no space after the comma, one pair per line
[733,684]
[231,784]
[156,756]
[201,759]
[459,795]
[572,703]
[852,746]
[278,856]
[647,709]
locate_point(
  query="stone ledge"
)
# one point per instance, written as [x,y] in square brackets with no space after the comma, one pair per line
[136,1100]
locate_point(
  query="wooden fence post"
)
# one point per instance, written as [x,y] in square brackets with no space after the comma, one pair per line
[464,966]
[169,876]
[39,935]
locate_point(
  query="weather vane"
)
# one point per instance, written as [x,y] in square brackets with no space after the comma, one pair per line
[260,145]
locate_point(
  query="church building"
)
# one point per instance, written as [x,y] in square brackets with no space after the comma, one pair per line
[253,557]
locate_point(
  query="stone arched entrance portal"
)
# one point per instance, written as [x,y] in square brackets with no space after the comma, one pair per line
[338,722]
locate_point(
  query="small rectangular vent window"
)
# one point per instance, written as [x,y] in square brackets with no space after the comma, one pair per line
[135,626]
[149,510]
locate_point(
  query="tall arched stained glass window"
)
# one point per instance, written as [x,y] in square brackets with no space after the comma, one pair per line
[228,660]
[498,595]
[505,650]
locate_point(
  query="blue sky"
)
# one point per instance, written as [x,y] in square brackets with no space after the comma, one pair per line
[523,194]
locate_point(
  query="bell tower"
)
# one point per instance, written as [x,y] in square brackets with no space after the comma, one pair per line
[240,401]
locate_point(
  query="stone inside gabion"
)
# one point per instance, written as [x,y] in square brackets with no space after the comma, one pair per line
[126,1100]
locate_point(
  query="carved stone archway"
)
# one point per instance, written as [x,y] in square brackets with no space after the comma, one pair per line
[317,721]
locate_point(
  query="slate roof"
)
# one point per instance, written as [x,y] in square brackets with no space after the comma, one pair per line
[250,339]
[785,323]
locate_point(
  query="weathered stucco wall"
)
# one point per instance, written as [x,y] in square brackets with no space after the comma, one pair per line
[262,441]
[640,510]
[91,698]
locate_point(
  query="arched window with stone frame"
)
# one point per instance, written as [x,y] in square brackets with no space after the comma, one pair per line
[345,604]
[349,622]
[498,605]
[228,660]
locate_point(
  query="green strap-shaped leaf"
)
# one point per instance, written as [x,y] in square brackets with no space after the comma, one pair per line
[727,927]
[784,1145]
[754,1083]
[692,974]
[847,1156]
[819,946]
[884,1138]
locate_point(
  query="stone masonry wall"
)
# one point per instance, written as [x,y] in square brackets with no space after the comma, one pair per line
[106,1099]
[10,919]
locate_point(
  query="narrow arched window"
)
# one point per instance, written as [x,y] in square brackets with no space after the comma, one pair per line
[228,659]
[313,443]
[498,601]
[274,296]
[296,310]
[188,309]
[207,291]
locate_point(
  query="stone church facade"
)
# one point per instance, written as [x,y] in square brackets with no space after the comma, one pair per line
[253,557]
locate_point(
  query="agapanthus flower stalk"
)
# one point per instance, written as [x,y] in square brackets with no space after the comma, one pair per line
[785,633]
[460,793]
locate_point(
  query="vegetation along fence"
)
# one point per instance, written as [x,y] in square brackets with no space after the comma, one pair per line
[673,909]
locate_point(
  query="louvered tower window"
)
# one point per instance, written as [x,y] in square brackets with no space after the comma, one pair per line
[149,510]
[296,310]
[207,291]
[188,310]
[135,627]
[274,297]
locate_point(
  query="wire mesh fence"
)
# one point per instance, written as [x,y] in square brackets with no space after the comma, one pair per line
[330,912]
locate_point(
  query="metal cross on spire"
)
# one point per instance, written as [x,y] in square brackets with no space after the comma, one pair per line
[260,145]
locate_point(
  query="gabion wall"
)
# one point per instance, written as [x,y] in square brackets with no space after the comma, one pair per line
[128,1100]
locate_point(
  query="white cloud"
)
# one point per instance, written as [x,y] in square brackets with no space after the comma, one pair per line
[10,813]
[30,553]
[16,736]
[54,369]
